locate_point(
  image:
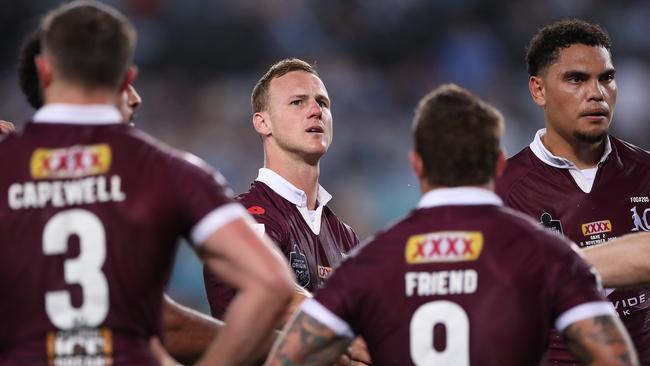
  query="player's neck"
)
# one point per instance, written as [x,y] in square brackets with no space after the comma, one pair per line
[60,92]
[425,186]
[302,175]
[583,155]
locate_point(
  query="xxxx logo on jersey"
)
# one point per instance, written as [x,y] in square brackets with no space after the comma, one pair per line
[444,246]
[70,162]
[597,227]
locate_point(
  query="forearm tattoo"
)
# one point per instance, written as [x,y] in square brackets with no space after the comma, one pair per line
[598,339]
[309,342]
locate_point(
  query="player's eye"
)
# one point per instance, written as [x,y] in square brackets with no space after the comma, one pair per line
[609,77]
[574,79]
[296,102]
[323,103]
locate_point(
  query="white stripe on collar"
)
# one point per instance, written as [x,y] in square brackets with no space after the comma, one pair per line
[288,191]
[547,157]
[459,196]
[84,114]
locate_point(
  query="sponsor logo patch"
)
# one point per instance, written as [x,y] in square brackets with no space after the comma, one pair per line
[85,346]
[324,272]
[256,210]
[597,227]
[70,162]
[549,222]
[444,246]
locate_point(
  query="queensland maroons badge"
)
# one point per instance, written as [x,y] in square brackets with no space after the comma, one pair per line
[298,262]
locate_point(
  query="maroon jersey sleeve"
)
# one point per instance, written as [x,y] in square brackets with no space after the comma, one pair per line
[573,286]
[203,195]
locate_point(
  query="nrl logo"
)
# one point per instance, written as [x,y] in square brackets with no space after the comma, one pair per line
[548,222]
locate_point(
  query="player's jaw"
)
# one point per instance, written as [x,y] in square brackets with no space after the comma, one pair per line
[593,125]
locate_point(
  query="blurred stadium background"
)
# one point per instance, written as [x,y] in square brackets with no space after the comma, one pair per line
[199,60]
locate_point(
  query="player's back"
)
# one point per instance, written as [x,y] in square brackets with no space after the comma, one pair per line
[89,219]
[460,285]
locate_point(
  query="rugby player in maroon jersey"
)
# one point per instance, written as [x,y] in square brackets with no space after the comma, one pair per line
[77,137]
[292,114]
[186,332]
[460,280]
[575,178]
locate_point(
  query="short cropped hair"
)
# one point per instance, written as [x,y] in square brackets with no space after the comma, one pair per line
[260,94]
[91,43]
[543,49]
[27,74]
[457,136]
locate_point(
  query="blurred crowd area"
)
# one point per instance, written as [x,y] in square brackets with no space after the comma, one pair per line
[199,59]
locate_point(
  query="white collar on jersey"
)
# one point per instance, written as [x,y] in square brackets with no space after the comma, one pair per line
[86,114]
[459,196]
[288,191]
[547,157]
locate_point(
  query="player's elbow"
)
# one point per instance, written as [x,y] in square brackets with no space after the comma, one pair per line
[275,285]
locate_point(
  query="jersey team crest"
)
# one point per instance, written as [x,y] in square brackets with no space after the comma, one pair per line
[444,246]
[70,162]
[298,262]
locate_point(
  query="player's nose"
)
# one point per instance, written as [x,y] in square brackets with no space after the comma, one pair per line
[315,109]
[134,100]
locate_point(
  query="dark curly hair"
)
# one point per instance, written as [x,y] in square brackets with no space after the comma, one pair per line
[27,75]
[544,47]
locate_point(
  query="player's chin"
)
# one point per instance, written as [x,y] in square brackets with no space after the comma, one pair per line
[592,136]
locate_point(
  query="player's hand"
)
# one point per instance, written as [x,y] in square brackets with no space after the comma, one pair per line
[160,353]
[6,127]
[358,352]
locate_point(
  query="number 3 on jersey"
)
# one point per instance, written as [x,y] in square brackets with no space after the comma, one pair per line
[456,324]
[84,270]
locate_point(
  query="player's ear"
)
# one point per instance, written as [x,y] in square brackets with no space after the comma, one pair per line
[261,123]
[44,70]
[501,164]
[417,164]
[537,91]
[129,77]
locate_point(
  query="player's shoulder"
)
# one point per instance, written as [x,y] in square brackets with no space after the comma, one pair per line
[628,152]
[151,148]
[518,167]
[335,220]
[265,205]
[258,199]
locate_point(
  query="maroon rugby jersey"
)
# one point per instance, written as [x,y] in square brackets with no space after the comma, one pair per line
[459,281]
[617,204]
[90,213]
[312,248]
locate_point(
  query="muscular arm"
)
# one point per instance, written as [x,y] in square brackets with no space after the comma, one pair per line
[600,341]
[306,341]
[623,261]
[187,332]
[250,264]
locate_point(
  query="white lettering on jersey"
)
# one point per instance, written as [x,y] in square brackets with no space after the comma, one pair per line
[441,283]
[65,193]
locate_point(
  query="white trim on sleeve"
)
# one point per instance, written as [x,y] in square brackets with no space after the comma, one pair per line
[582,312]
[319,312]
[215,219]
